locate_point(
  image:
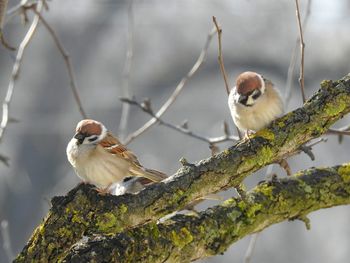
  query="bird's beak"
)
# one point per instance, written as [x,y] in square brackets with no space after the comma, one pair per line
[80,137]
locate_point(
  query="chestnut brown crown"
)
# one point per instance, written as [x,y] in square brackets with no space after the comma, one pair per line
[89,127]
[247,82]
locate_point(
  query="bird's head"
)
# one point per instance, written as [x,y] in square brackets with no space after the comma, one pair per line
[250,86]
[90,132]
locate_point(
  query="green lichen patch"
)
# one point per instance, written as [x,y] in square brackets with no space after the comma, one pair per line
[307,188]
[234,215]
[266,190]
[266,134]
[123,209]
[181,238]
[326,84]
[108,223]
[344,172]
[333,109]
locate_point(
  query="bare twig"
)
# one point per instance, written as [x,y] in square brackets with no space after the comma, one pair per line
[16,69]
[67,61]
[251,247]
[176,92]
[5,160]
[338,132]
[288,89]
[302,50]
[250,250]
[17,9]
[3,8]
[220,57]
[4,42]
[146,107]
[291,67]
[6,240]
[123,124]
[222,65]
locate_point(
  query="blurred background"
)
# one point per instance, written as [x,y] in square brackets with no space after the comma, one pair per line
[167,39]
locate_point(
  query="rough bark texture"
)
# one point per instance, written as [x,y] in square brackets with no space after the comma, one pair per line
[186,238]
[83,212]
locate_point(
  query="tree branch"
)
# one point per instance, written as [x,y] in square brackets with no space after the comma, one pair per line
[302,52]
[16,69]
[200,60]
[187,238]
[67,61]
[84,212]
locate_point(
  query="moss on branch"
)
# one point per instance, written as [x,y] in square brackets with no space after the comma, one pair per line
[186,238]
[84,212]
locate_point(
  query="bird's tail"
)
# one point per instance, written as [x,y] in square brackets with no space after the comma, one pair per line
[150,174]
[158,176]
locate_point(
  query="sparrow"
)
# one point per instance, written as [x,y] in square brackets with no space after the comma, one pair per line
[254,102]
[101,159]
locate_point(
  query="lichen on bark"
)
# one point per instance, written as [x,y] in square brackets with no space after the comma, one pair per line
[186,238]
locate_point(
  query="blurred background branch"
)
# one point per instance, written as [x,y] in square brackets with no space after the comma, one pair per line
[176,92]
[302,52]
[67,61]
[123,124]
[16,69]
[183,128]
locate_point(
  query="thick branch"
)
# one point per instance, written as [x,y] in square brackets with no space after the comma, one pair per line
[187,238]
[83,211]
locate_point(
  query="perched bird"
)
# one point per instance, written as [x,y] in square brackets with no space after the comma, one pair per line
[101,159]
[254,102]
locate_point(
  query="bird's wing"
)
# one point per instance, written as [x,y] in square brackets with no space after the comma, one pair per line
[114,146]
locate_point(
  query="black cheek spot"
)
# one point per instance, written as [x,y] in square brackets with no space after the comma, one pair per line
[257,95]
[93,139]
[243,100]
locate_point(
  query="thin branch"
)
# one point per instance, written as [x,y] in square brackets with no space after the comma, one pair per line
[146,107]
[16,69]
[67,61]
[6,240]
[220,57]
[250,250]
[338,132]
[302,48]
[17,9]
[222,66]
[289,81]
[5,160]
[176,92]
[3,8]
[4,41]
[123,124]
[252,242]
[288,89]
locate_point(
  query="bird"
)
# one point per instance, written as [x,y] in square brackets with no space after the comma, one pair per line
[254,102]
[99,158]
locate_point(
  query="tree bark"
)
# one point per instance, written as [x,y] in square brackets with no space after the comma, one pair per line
[83,212]
[186,238]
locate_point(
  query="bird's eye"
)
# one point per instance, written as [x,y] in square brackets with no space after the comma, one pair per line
[243,99]
[256,94]
[93,139]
